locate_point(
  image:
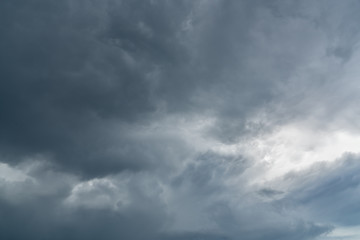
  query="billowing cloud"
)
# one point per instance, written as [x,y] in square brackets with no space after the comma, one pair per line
[179,120]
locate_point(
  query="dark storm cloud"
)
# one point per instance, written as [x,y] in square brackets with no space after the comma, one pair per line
[69,68]
[44,219]
[38,207]
[125,119]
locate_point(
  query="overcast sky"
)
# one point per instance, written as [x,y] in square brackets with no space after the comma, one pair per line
[179,120]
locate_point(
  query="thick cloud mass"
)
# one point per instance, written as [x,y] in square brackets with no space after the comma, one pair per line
[172,120]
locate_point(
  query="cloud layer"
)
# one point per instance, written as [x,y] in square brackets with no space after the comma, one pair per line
[179,120]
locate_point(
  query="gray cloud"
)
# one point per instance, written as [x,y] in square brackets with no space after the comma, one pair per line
[147,119]
[331,193]
[70,69]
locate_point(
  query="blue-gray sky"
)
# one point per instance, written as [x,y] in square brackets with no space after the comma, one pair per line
[179,120]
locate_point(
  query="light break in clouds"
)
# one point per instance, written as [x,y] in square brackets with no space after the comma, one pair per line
[179,120]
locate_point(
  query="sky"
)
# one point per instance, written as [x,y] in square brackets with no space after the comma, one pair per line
[179,120]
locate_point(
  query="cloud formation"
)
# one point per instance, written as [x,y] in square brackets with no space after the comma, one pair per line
[179,120]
